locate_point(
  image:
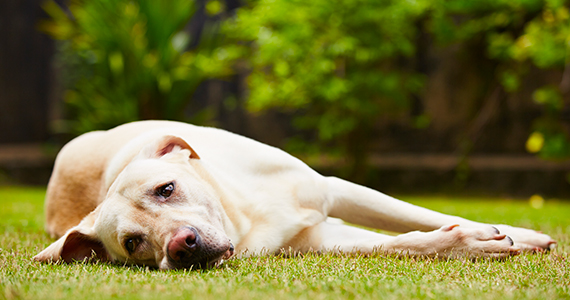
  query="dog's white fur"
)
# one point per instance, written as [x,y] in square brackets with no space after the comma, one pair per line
[232,189]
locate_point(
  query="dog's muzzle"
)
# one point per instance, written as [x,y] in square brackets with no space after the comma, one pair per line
[187,249]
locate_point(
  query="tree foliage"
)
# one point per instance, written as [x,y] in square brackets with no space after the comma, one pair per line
[345,64]
[337,62]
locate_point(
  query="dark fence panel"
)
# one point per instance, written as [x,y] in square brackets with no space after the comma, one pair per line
[25,73]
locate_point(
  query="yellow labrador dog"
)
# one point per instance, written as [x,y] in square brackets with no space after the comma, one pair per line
[173,195]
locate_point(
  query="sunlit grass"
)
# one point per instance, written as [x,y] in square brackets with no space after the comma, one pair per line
[544,276]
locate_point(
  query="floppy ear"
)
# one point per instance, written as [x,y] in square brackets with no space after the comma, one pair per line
[77,244]
[168,144]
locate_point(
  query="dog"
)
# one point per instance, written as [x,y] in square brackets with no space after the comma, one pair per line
[172,195]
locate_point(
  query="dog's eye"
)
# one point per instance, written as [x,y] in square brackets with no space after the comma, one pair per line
[131,244]
[166,190]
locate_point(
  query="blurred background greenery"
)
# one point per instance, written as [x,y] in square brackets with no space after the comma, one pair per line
[130,60]
[346,79]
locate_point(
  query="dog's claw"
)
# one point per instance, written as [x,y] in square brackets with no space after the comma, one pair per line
[551,245]
[499,237]
[449,227]
[514,251]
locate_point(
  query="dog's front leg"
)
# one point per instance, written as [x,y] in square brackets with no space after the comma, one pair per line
[450,241]
[364,206]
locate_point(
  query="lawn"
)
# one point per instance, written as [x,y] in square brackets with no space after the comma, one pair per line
[541,276]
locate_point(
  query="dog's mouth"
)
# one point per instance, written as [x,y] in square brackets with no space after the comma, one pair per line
[216,262]
[212,262]
[205,262]
[188,249]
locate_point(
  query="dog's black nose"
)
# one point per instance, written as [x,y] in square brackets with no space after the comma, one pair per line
[183,244]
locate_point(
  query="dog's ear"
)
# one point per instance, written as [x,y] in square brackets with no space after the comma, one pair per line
[77,244]
[168,144]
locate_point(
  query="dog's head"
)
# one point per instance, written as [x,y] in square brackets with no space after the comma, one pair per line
[160,211]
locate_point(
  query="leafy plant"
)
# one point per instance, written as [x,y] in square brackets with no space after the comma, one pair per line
[128,60]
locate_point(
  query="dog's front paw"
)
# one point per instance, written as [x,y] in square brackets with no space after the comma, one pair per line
[527,239]
[483,241]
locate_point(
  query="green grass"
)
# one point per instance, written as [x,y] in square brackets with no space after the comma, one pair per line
[543,276]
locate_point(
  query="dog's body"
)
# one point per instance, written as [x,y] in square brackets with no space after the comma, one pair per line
[174,195]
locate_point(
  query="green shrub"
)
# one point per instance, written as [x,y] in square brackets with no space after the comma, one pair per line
[128,60]
[345,64]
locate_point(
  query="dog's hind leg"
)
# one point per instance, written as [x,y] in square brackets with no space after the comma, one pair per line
[364,206]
